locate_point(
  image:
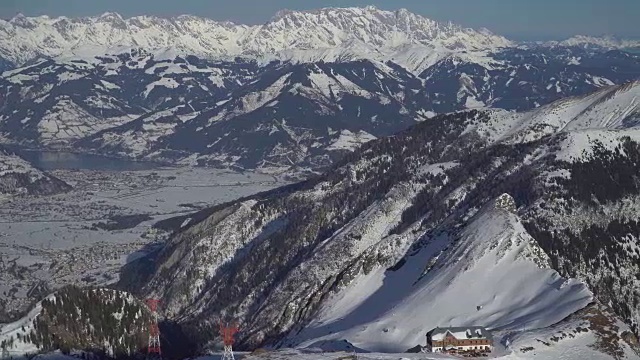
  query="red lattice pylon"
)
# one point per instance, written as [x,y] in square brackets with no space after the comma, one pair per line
[228,332]
[154,330]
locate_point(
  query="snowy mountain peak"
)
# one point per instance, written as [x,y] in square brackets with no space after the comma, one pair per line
[17,17]
[487,273]
[20,20]
[25,38]
[110,16]
[608,42]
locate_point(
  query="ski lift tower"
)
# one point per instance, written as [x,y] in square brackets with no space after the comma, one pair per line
[153,350]
[227,332]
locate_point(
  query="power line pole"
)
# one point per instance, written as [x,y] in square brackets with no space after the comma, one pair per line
[153,349]
[227,332]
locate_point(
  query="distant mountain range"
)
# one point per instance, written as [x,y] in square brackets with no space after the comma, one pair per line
[277,115]
[328,34]
[296,93]
[608,42]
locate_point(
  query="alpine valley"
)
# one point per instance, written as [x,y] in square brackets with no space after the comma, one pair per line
[437,176]
[189,90]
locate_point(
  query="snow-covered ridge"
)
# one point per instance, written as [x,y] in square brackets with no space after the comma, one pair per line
[608,42]
[610,108]
[494,275]
[25,38]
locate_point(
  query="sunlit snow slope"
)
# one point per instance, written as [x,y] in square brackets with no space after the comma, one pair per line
[494,275]
[342,256]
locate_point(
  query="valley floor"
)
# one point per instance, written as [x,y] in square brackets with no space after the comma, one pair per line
[84,236]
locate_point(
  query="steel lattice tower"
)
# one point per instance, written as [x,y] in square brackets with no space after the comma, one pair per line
[227,332]
[153,349]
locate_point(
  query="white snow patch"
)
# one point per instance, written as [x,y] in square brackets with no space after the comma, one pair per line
[350,141]
[165,82]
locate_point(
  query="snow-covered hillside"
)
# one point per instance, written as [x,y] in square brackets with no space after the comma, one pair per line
[494,275]
[54,103]
[15,336]
[297,115]
[324,34]
[382,248]
[523,78]
[77,319]
[278,115]
[611,108]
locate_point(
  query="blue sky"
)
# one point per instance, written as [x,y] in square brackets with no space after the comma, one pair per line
[519,19]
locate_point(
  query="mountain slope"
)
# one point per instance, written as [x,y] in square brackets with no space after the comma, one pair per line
[522,79]
[396,202]
[493,274]
[307,115]
[54,103]
[97,320]
[279,115]
[17,176]
[591,333]
[297,115]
